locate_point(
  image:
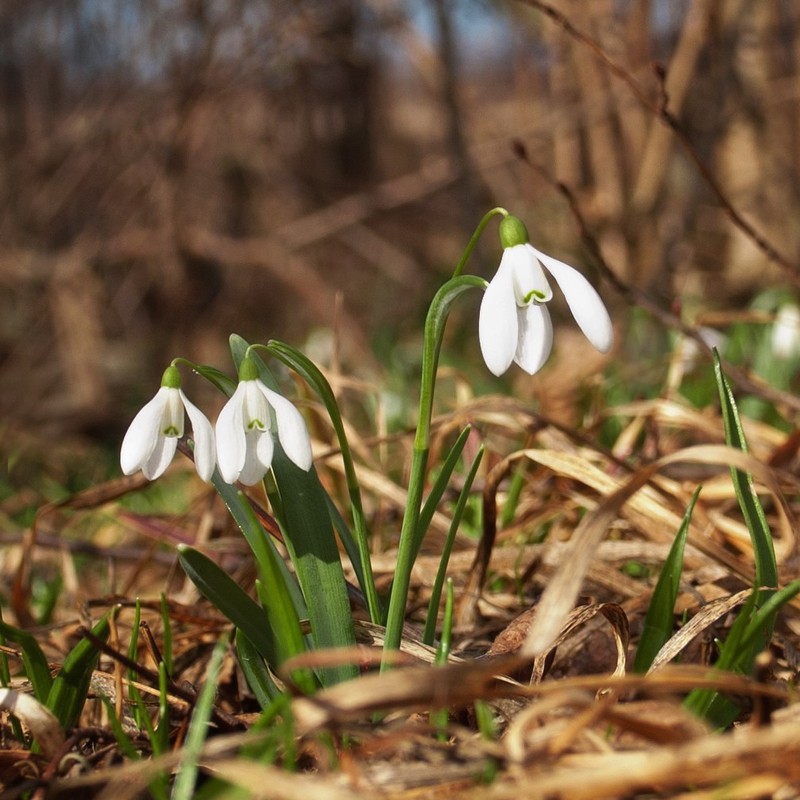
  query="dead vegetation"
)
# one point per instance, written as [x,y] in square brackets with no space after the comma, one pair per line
[148,217]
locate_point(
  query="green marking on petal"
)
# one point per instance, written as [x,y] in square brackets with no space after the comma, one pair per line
[535,295]
[171,432]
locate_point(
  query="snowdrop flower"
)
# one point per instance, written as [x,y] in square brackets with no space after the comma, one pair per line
[152,438]
[514,323]
[786,332]
[244,434]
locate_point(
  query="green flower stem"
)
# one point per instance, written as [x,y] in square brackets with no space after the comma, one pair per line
[409,535]
[475,236]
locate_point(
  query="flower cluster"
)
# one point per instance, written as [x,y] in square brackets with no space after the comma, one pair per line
[242,445]
[514,327]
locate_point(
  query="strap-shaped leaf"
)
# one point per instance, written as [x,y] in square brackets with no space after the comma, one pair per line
[36,667]
[70,687]
[309,537]
[658,622]
[274,634]
[309,371]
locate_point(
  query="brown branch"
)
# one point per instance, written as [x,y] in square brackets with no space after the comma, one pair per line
[658,108]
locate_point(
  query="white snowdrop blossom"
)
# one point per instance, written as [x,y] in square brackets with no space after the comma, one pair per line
[786,332]
[514,323]
[152,438]
[244,430]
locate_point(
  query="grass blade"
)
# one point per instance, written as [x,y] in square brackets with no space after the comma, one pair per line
[750,505]
[658,622]
[441,573]
[255,670]
[440,486]
[34,662]
[70,687]
[186,777]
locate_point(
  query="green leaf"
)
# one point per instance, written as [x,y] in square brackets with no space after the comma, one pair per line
[440,487]
[658,622]
[255,670]
[753,626]
[275,635]
[301,504]
[749,503]
[309,537]
[306,368]
[223,382]
[441,573]
[70,687]
[34,662]
[187,770]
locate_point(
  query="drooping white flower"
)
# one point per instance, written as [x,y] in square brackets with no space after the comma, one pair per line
[514,323]
[152,438]
[244,430]
[786,332]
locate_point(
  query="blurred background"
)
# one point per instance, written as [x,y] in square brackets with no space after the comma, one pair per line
[175,170]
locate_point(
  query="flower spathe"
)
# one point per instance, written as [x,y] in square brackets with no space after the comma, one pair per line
[152,438]
[514,323]
[244,430]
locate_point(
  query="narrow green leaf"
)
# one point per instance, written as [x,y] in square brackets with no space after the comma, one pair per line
[764,618]
[441,573]
[749,503]
[34,662]
[306,368]
[276,637]
[166,624]
[263,547]
[658,622]
[255,670]
[309,537]
[70,687]
[223,382]
[440,486]
[752,628]
[123,740]
[186,773]
[351,548]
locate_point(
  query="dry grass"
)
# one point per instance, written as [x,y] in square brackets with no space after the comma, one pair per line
[571,721]
[142,221]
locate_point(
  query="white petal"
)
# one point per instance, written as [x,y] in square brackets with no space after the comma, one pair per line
[584,302]
[255,409]
[497,321]
[203,435]
[292,431]
[157,462]
[265,447]
[143,433]
[535,337]
[231,442]
[254,469]
[530,282]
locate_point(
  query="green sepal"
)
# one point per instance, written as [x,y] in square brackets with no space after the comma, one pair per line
[512,232]
[171,379]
